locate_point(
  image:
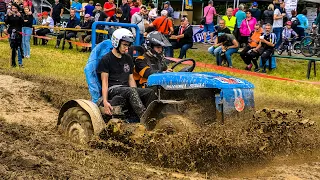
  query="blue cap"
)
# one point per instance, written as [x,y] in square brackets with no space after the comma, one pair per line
[255,4]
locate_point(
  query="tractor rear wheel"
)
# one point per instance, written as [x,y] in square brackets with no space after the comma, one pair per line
[76,124]
[174,124]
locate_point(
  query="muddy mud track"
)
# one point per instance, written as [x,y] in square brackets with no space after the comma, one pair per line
[30,146]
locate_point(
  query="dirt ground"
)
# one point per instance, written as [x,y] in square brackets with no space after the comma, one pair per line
[30,148]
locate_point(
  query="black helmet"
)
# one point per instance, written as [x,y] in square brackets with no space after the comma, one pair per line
[155,38]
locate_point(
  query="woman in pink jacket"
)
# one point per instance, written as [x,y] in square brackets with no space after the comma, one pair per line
[246,27]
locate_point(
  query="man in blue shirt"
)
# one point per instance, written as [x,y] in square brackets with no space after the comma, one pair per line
[304,23]
[77,7]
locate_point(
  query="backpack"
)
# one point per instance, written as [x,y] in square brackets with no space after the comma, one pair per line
[90,70]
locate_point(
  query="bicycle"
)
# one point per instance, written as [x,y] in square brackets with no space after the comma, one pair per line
[286,46]
[310,45]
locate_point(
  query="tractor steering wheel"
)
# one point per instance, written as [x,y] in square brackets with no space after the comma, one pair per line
[185,69]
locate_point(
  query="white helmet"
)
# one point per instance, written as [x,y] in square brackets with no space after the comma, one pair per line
[121,34]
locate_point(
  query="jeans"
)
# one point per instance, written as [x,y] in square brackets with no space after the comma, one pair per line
[278,32]
[217,52]
[27,32]
[168,51]
[183,50]
[2,14]
[13,57]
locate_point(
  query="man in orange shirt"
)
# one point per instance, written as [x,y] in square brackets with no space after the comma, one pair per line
[109,8]
[163,24]
[251,52]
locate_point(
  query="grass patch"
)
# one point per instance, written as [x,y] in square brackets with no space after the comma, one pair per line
[64,69]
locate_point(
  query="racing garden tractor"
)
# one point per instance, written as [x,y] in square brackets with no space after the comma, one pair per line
[200,98]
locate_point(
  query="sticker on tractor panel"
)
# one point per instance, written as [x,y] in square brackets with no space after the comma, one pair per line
[227,80]
[239,104]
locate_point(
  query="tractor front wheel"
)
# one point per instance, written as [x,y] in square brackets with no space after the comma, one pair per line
[174,124]
[76,124]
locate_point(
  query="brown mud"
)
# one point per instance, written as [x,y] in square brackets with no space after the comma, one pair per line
[30,147]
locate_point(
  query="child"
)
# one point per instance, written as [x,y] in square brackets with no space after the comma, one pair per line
[287,34]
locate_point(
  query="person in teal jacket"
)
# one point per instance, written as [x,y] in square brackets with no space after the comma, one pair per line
[318,22]
[304,24]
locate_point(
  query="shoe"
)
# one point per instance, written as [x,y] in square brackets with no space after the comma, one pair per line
[264,71]
[204,43]
[256,70]
[249,67]
[21,66]
[70,47]
[27,56]
[57,47]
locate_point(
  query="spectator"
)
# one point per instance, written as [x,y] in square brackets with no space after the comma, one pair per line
[153,59]
[317,22]
[139,3]
[229,45]
[164,26]
[26,32]
[278,16]
[255,11]
[118,17]
[208,12]
[130,3]
[85,37]
[77,7]
[246,27]
[304,24]
[99,16]
[38,22]
[72,23]
[138,19]
[168,8]
[88,9]
[20,4]
[240,16]
[14,20]
[116,73]
[287,34]
[3,11]
[230,20]
[125,7]
[27,3]
[46,21]
[250,53]
[57,12]
[134,9]
[109,8]
[267,16]
[153,14]
[83,5]
[268,41]
[184,36]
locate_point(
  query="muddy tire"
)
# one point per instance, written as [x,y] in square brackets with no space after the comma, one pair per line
[76,124]
[175,124]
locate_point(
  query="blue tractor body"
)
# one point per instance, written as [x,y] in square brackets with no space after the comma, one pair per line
[233,98]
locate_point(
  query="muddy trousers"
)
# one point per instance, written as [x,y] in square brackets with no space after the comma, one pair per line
[138,98]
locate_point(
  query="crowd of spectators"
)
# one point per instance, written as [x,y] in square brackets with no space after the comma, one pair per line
[258,32]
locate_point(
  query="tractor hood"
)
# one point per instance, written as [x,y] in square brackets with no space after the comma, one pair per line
[191,80]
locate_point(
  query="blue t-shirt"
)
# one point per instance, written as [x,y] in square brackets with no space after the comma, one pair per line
[304,23]
[89,9]
[240,15]
[76,6]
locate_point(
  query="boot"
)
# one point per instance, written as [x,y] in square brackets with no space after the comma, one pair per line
[70,45]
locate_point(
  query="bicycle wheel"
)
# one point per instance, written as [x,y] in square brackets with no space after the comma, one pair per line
[308,46]
[296,48]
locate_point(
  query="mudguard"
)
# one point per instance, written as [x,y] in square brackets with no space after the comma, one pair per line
[91,108]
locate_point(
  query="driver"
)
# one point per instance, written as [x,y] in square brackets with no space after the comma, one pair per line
[115,70]
[153,59]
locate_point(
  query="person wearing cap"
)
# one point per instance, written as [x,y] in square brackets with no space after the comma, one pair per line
[208,12]
[256,13]
[57,12]
[168,8]
[184,36]
[99,15]
[287,34]
[72,23]
[85,37]
[46,21]
[230,20]
[163,25]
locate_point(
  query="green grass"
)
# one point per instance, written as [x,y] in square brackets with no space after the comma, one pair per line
[68,66]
